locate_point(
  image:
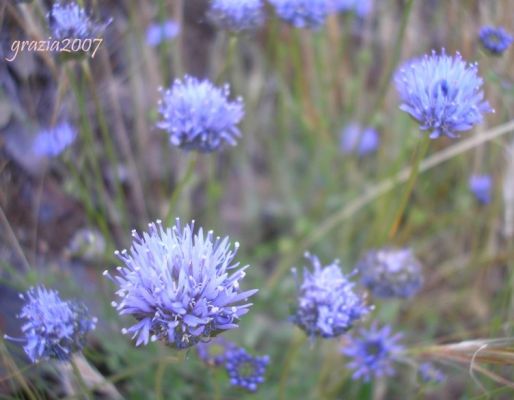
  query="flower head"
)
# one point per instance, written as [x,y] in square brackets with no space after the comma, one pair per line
[177,284]
[495,40]
[199,116]
[237,15]
[245,370]
[54,328]
[391,273]
[53,141]
[443,93]
[373,352]
[214,351]
[161,32]
[361,8]
[429,373]
[480,186]
[310,14]
[361,141]
[70,20]
[328,305]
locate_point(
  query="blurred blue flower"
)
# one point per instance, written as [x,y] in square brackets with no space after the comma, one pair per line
[443,93]
[481,186]
[54,328]
[177,284]
[70,20]
[361,8]
[161,32]
[237,15]
[199,116]
[302,13]
[361,141]
[328,305]
[429,373]
[245,370]
[495,40]
[53,141]
[214,351]
[373,352]
[391,272]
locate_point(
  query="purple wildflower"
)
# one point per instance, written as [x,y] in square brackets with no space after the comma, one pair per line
[361,8]
[237,15]
[245,370]
[214,351]
[429,373]
[481,186]
[361,141]
[161,32]
[309,14]
[53,141]
[495,40]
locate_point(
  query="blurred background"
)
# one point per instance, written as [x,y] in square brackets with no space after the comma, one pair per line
[287,187]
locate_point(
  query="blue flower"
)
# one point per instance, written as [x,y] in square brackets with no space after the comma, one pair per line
[214,351]
[495,40]
[391,273]
[373,352]
[178,285]
[361,141]
[70,20]
[245,370]
[199,116]
[443,93]
[302,13]
[54,328]
[237,15]
[429,373]
[361,8]
[481,186]
[328,305]
[53,141]
[161,32]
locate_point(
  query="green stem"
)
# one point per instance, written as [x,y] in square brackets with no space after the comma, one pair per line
[180,187]
[422,151]
[294,347]
[80,379]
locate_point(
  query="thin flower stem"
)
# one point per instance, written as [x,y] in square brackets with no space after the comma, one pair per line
[80,379]
[180,187]
[414,172]
[294,347]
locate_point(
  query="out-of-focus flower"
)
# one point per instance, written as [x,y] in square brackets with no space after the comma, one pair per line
[328,304]
[237,15]
[361,8]
[177,284]
[214,351]
[199,116]
[481,186]
[53,328]
[310,14]
[373,352]
[495,40]
[70,20]
[429,373]
[361,141]
[391,272]
[245,370]
[53,141]
[161,32]
[443,93]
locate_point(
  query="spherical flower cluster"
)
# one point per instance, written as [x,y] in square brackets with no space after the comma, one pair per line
[70,20]
[53,141]
[237,15]
[177,284]
[302,13]
[361,8]
[213,352]
[161,32]
[361,141]
[443,93]
[245,370]
[391,273]
[429,373]
[199,116]
[328,305]
[495,40]
[373,352]
[481,186]
[54,328]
